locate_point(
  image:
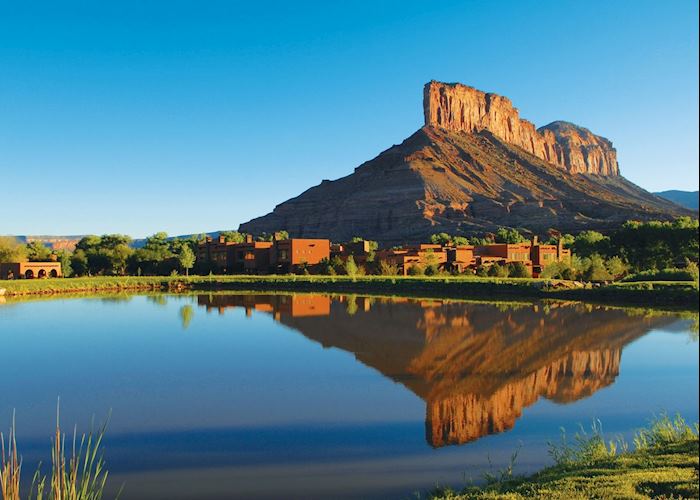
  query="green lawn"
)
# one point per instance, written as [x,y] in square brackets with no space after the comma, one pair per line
[671,294]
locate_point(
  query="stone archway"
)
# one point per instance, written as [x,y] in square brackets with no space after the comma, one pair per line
[53,273]
[42,273]
[29,274]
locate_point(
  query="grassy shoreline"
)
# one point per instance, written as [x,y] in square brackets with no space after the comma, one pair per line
[680,295]
[664,464]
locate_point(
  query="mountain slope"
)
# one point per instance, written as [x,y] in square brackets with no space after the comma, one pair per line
[469,171]
[687,199]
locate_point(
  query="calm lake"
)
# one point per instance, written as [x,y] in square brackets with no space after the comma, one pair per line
[310,396]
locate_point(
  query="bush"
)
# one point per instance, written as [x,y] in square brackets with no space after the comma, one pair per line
[670,274]
[415,270]
[498,271]
[663,431]
[519,270]
[432,270]
[387,268]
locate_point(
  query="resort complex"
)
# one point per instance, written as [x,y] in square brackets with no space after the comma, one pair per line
[293,255]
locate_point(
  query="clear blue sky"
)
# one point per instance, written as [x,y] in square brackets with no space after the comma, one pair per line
[180,116]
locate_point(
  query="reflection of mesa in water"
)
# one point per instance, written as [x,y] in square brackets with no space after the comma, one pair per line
[477,366]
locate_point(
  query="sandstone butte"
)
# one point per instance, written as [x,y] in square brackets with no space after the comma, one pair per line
[474,166]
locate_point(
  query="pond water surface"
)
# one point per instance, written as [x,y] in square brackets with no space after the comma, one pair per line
[310,396]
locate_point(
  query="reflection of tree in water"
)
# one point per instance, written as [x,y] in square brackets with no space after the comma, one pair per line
[186,315]
[159,300]
[352,305]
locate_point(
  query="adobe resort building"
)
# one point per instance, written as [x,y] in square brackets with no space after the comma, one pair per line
[30,270]
[296,254]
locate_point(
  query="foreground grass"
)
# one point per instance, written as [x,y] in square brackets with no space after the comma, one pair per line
[76,475]
[672,294]
[664,464]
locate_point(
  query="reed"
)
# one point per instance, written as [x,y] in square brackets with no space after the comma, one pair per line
[78,472]
[10,465]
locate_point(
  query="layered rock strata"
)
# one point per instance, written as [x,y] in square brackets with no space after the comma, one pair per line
[473,167]
[459,108]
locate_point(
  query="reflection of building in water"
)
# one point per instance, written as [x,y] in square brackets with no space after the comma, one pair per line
[296,306]
[477,366]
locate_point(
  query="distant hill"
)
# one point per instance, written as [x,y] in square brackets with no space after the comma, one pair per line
[687,199]
[475,165]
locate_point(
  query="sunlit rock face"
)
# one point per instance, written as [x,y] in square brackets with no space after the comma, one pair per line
[474,166]
[476,366]
[459,108]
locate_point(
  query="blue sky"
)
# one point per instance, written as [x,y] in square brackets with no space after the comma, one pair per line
[186,117]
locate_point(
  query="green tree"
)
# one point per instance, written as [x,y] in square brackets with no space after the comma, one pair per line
[509,235]
[656,244]
[587,243]
[616,267]
[64,257]
[596,270]
[186,258]
[443,239]
[79,263]
[11,250]
[460,241]
[338,265]
[38,252]
[233,236]
[351,268]
[480,241]
[107,254]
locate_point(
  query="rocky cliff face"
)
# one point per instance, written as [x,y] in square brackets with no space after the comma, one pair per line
[459,108]
[474,167]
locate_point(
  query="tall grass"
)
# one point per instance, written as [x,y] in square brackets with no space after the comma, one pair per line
[587,447]
[591,447]
[664,431]
[10,465]
[80,475]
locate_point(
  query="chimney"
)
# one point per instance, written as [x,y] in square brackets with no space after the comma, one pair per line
[248,238]
[222,239]
[535,241]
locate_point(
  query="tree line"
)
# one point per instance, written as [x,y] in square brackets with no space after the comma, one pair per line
[634,248]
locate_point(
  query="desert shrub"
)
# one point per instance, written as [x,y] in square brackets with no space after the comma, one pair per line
[482,271]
